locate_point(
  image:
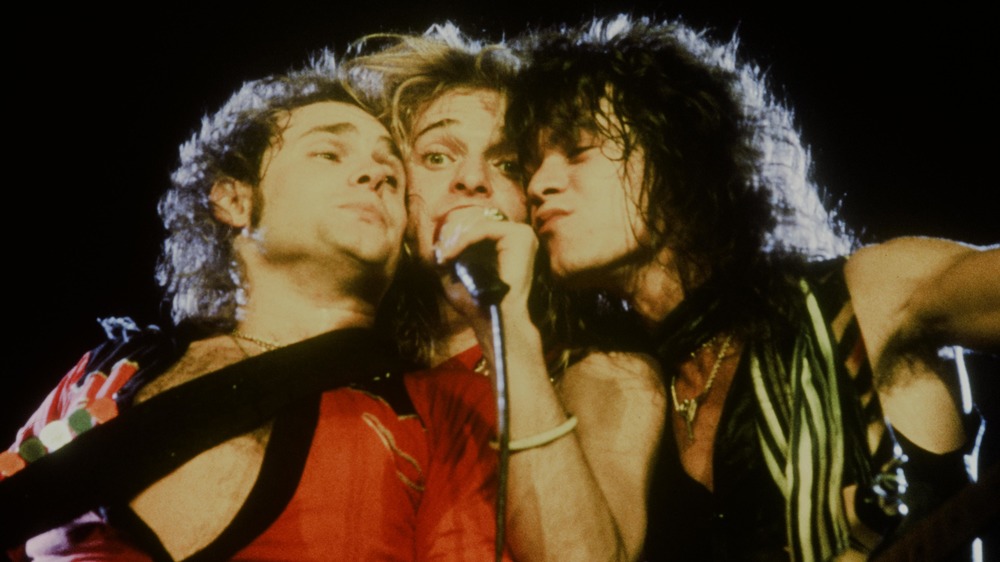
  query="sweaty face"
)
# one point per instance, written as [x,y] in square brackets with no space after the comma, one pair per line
[332,188]
[585,207]
[460,158]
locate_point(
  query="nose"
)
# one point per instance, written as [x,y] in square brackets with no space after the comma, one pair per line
[472,178]
[374,175]
[551,177]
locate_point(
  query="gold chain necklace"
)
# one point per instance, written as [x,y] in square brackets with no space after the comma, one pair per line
[688,408]
[266,345]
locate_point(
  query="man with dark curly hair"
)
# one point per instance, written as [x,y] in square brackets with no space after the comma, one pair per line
[664,175]
[270,420]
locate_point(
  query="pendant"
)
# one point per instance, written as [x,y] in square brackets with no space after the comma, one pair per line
[688,409]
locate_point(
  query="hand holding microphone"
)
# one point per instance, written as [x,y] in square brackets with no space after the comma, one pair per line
[477,268]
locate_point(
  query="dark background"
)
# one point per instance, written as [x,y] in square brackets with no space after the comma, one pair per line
[896,107]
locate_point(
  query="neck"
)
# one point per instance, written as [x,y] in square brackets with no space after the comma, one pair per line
[655,288]
[453,336]
[288,303]
[289,320]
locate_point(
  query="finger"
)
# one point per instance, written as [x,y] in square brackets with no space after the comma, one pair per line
[459,235]
[468,214]
[462,219]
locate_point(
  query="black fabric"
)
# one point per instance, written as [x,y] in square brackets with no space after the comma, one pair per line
[932,479]
[112,462]
[280,473]
[947,534]
[692,322]
[153,349]
[284,463]
[744,517]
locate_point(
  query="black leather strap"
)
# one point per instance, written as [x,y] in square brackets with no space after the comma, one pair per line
[114,461]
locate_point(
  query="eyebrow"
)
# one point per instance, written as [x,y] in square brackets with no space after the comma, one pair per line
[385,141]
[505,146]
[435,125]
[334,129]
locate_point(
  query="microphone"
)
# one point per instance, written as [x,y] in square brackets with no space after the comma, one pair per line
[476,267]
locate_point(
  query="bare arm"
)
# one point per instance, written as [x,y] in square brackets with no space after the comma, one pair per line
[923,288]
[581,496]
[622,404]
[912,296]
[962,302]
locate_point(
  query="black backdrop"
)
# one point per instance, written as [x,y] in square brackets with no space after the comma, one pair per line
[895,105]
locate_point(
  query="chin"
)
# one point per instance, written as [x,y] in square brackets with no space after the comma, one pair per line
[583,276]
[573,277]
[375,258]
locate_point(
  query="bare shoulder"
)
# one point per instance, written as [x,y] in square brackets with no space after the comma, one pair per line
[610,392]
[900,258]
[911,286]
[885,278]
[903,258]
[202,357]
[625,369]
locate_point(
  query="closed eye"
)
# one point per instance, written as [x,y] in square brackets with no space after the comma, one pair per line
[579,151]
[331,156]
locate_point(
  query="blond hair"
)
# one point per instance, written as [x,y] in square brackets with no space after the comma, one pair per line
[399,75]
[405,73]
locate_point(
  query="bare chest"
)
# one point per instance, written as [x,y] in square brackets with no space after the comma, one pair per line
[202,357]
[695,423]
[191,506]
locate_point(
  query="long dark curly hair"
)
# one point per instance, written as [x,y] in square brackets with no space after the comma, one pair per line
[726,180]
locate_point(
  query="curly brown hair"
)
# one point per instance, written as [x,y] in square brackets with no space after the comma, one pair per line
[198,269]
[726,178]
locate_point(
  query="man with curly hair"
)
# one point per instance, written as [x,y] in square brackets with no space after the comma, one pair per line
[269,420]
[664,175]
[573,479]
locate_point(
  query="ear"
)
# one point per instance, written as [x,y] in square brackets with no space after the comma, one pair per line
[232,202]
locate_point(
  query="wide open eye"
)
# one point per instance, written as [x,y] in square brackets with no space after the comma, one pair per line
[435,160]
